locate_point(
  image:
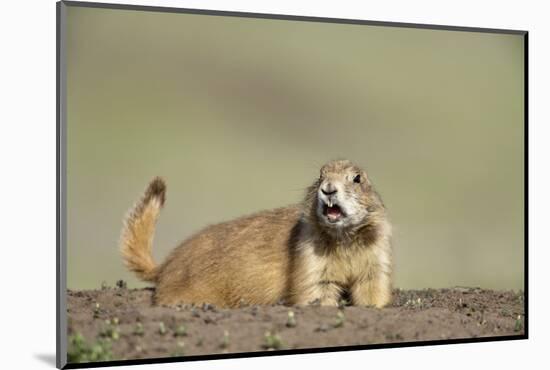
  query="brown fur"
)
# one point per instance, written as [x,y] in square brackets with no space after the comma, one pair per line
[286,253]
[139,229]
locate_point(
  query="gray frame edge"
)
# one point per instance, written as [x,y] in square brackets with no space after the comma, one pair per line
[61,186]
[287,17]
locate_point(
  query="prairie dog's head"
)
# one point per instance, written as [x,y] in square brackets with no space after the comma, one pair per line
[342,199]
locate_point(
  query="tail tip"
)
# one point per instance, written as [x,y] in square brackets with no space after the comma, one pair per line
[156,189]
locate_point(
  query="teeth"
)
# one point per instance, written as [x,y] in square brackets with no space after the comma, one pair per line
[330,203]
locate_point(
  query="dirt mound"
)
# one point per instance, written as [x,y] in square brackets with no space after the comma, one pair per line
[119,323]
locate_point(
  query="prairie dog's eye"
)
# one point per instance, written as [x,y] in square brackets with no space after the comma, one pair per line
[357,179]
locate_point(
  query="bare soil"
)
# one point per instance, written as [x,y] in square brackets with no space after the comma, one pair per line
[134,328]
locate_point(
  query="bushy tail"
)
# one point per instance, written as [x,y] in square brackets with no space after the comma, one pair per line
[138,231]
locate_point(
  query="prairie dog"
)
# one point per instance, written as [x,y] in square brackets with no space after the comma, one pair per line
[338,240]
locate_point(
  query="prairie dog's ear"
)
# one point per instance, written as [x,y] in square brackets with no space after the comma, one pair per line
[365,180]
[323,172]
[366,176]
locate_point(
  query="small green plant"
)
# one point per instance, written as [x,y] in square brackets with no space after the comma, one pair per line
[291,320]
[340,318]
[181,331]
[414,303]
[162,328]
[225,340]
[272,341]
[179,351]
[97,310]
[82,351]
[110,330]
[519,324]
[138,329]
[342,302]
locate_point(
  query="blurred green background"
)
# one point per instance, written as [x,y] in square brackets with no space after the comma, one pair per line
[239,114]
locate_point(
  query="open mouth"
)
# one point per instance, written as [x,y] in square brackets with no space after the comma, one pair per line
[333,212]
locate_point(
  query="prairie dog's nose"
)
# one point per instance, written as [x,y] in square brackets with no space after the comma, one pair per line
[329,189]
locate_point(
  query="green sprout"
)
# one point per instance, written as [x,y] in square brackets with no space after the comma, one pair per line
[81,351]
[415,303]
[179,351]
[272,341]
[181,331]
[519,324]
[340,318]
[96,310]
[291,320]
[138,329]
[225,340]
[162,328]
[110,330]
[342,302]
